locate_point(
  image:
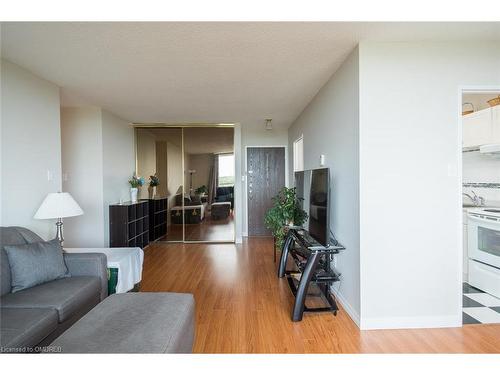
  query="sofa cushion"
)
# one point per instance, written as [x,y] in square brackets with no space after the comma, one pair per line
[225,191]
[11,236]
[134,323]
[25,328]
[66,296]
[35,263]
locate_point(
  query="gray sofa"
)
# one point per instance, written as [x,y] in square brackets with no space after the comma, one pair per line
[35,317]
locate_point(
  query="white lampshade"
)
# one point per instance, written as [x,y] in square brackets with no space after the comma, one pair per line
[58,205]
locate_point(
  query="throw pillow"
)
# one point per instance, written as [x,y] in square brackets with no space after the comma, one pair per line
[35,263]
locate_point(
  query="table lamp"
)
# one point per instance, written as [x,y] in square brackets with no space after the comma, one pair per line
[57,206]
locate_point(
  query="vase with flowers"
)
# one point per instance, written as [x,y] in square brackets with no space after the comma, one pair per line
[154,181]
[135,183]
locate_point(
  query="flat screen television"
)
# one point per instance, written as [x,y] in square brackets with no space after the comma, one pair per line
[313,187]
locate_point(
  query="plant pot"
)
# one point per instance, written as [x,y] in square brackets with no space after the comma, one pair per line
[133,194]
[152,192]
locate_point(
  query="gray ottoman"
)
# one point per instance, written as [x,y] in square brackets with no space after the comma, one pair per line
[134,323]
[220,210]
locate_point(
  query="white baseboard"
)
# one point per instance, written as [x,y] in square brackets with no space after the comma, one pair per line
[244,234]
[347,306]
[409,322]
[398,322]
[238,239]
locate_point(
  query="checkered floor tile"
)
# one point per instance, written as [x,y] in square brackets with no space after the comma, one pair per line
[479,307]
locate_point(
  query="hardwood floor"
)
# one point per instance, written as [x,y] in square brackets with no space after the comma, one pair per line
[242,307]
[207,230]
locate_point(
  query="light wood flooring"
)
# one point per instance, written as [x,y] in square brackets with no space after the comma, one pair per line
[207,230]
[242,307]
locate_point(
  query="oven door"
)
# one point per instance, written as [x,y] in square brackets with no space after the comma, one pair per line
[484,239]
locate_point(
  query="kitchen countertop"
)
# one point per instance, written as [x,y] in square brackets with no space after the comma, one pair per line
[469,208]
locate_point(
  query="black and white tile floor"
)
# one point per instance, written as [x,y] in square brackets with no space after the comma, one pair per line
[479,307]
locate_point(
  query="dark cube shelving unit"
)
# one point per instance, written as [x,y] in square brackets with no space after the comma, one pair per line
[129,224]
[158,210]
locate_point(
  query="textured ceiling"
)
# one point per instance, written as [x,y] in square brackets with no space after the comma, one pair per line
[203,72]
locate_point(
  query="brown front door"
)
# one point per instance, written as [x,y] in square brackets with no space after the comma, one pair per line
[265,178]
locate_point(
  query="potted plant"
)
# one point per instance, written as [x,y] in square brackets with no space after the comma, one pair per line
[135,183]
[286,211]
[202,190]
[154,181]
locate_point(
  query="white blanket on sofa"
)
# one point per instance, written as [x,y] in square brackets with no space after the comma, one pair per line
[128,260]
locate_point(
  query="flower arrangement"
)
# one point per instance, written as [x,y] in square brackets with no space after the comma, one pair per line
[136,181]
[154,180]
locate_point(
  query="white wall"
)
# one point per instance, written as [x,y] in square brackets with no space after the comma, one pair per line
[82,163]
[30,147]
[146,158]
[330,125]
[251,138]
[175,172]
[201,163]
[118,163]
[161,167]
[410,183]
[187,167]
[238,185]
[98,159]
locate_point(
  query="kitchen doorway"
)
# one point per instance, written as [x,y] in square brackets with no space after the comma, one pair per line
[480,125]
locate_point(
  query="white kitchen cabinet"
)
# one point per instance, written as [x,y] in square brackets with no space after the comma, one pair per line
[484,277]
[478,128]
[495,119]
[465,254]
[465,270]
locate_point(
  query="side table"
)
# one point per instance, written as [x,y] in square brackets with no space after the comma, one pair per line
[125,263]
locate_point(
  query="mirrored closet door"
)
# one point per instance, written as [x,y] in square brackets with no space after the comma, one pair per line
[191,171]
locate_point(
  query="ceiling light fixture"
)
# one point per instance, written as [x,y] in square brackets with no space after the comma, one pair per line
[269,125]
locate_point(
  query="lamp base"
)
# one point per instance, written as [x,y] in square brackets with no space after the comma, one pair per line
[59,231]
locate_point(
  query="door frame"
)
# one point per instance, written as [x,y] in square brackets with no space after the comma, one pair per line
[464,89]
[245,177]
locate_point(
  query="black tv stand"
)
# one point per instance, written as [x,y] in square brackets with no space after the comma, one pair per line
[313,263]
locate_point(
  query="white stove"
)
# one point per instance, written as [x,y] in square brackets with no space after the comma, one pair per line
[483,226]
[488,211]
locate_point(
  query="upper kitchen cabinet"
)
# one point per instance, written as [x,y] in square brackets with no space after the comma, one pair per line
[478,127]
[495,119]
